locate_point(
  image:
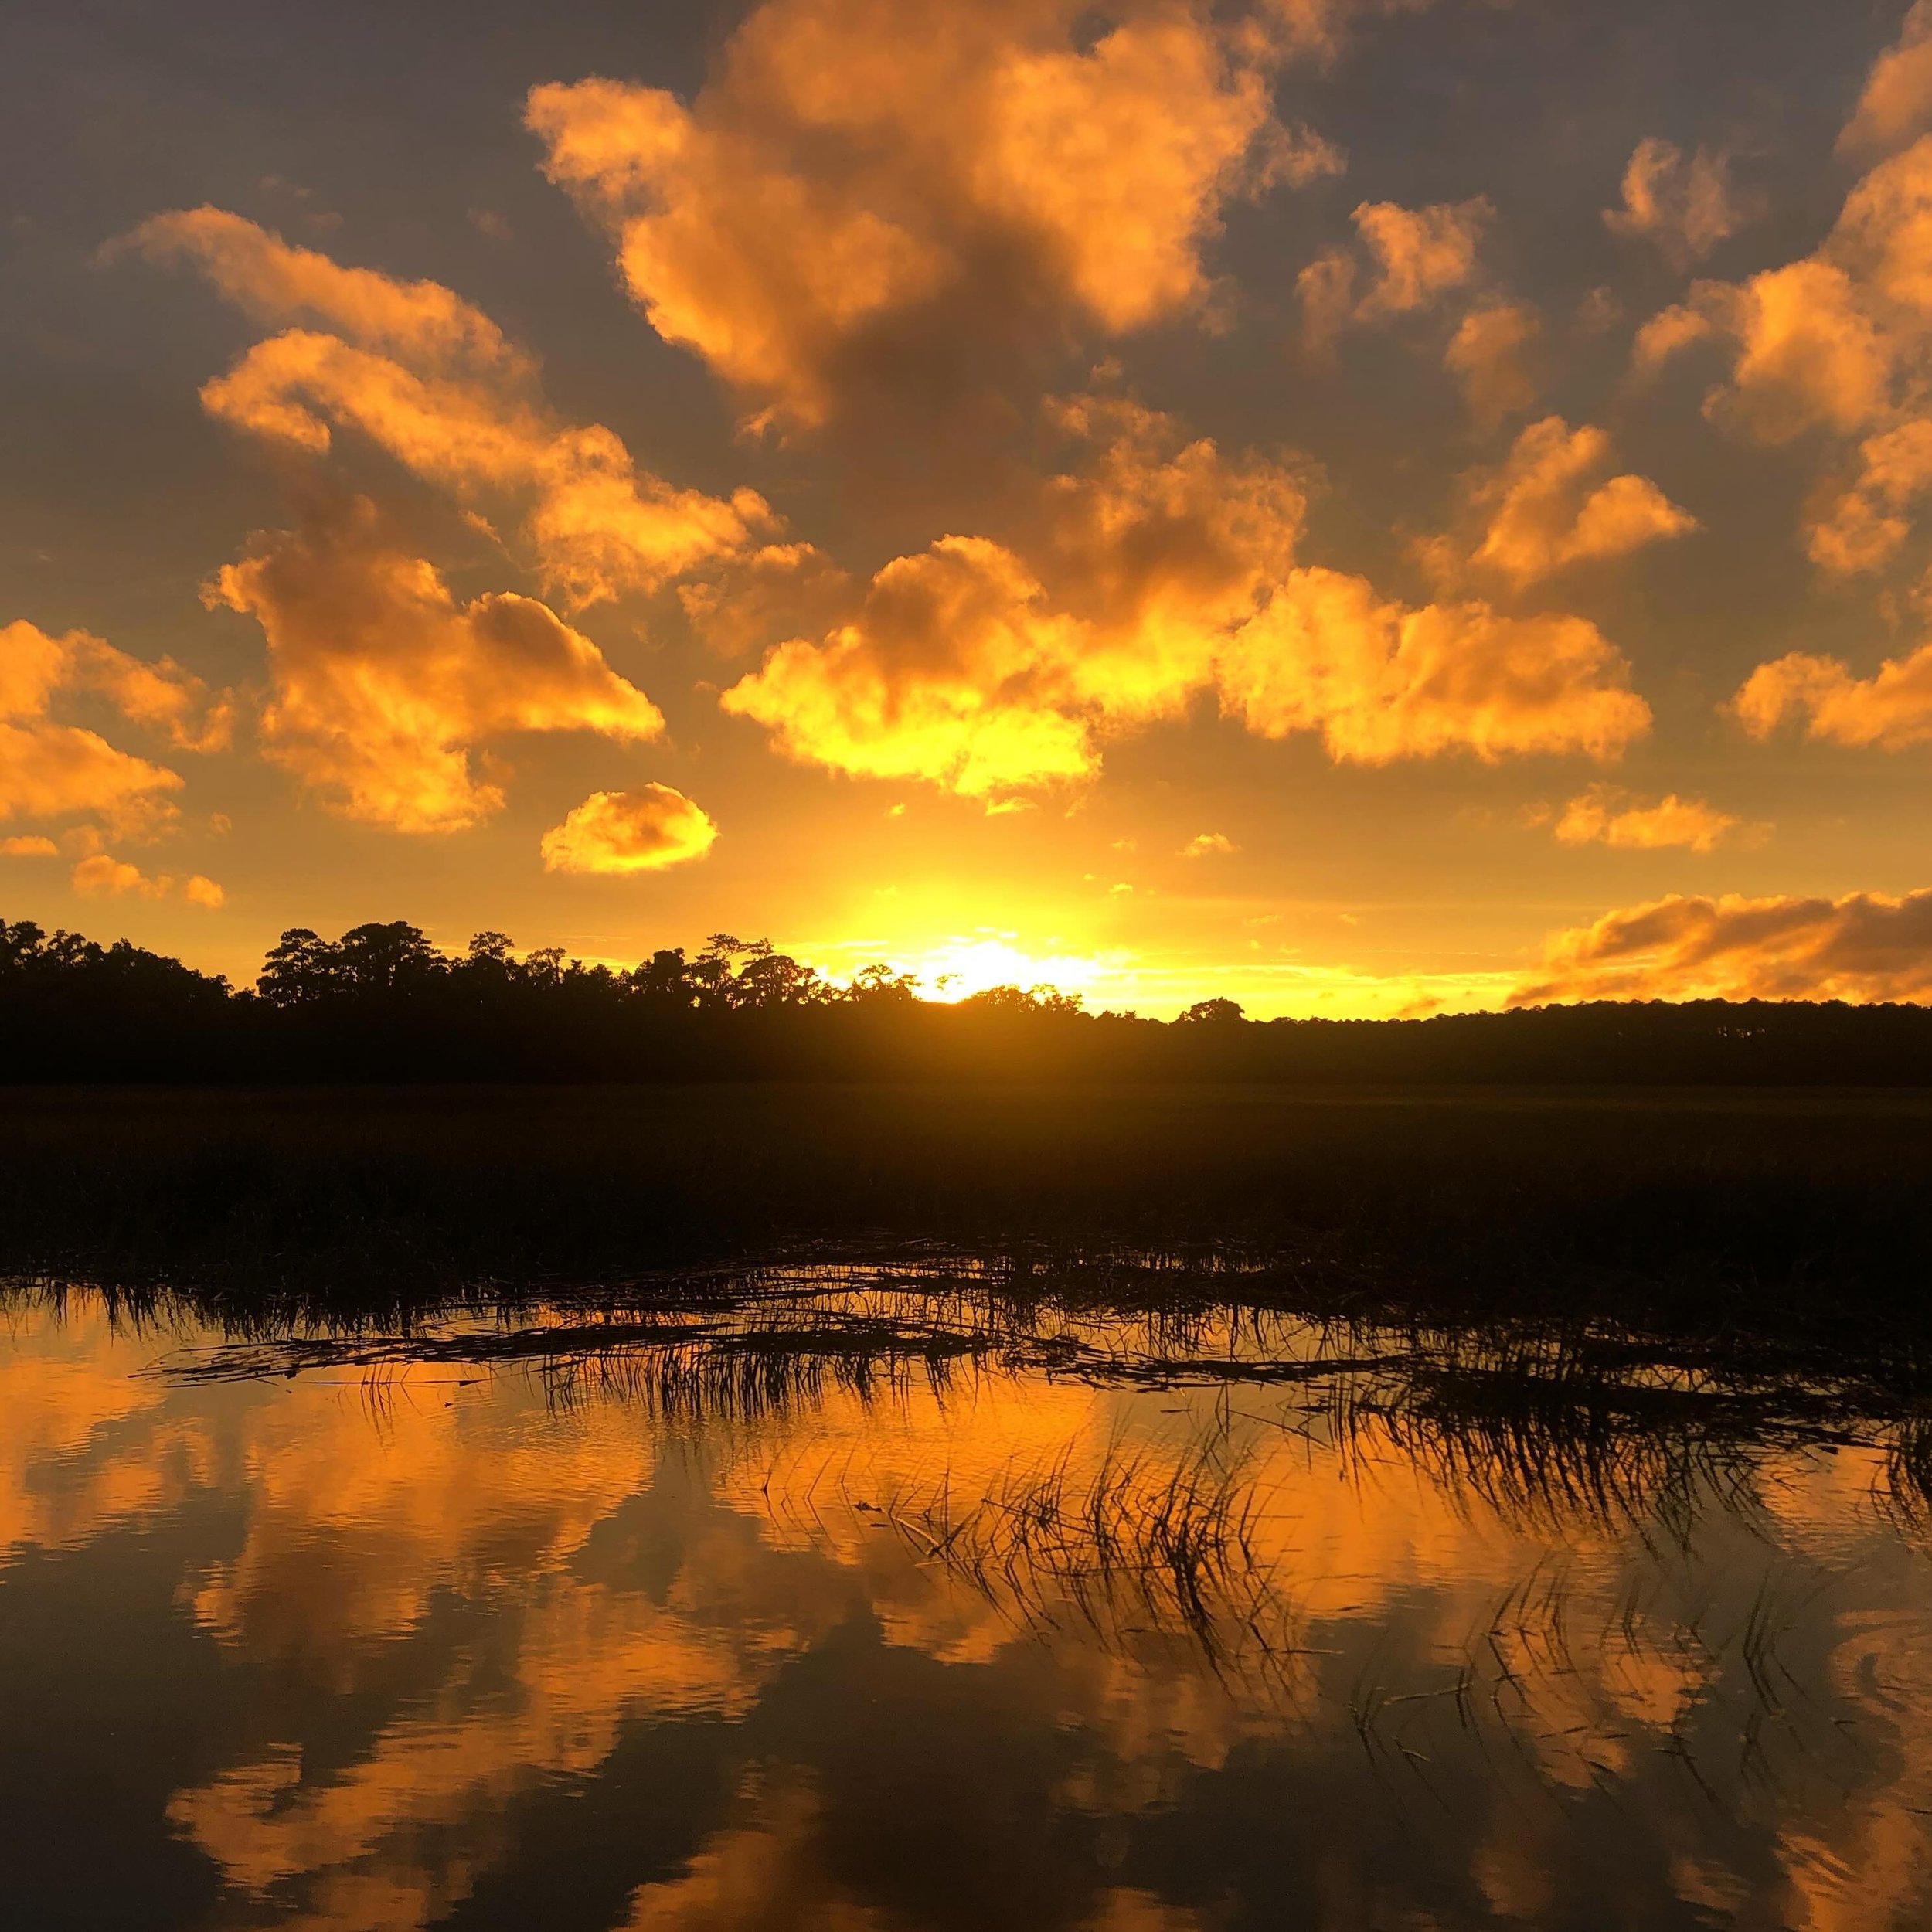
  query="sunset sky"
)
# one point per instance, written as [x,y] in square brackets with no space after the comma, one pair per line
[1362,505]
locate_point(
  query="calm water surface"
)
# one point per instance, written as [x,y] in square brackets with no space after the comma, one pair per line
[1092,1627]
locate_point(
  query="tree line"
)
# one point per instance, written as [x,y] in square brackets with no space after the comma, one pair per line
[382,1003]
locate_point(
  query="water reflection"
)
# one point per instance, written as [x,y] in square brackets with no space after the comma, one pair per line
[843,1602]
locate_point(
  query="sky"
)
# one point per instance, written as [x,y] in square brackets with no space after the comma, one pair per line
[1362,506]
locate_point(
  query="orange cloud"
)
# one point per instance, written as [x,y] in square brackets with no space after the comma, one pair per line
[1495,354]
[49,769]
[31,846]
[760,600]
[980,669]
[1891,708]
[954,671]
[1209,844]
[1419,254]
[382,686]
[1605,813]
[101,876]
[953,179]
[1862,526]
[1380,680]
[1683,204]
[1325,289]
[1544,510]
[1864,946]
[1154,574]
[1895,103]
[623,832]
[432,381]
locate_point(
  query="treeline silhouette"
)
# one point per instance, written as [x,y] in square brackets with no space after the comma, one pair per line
[382,1003]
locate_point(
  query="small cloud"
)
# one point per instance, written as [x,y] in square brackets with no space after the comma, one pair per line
[1605,814]
[32,846]
[1005,807]
[621,832]
[487,221]
[105,876]
[1683,204]
[895,812]
[1204,844]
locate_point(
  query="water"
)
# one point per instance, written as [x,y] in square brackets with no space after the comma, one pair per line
[842,1608]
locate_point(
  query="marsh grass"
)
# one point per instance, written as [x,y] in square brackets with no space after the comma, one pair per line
[1687,1205]
[1159,1548]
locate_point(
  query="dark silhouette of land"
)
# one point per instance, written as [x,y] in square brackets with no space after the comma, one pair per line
[381,1003]
[374,1121]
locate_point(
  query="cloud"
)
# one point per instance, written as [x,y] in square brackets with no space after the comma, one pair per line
[957,182]
[954,671]
[1207,844]
[978,668]
[382,687]
[1325,289]
[101,876]
[1862,948]
[1835,341]
[1418,253]
[759,599]
[1862,526]
[52,769]
[1545,509]
[432,381]
[1891,709]
[32,846]
[1607,815]
[1380,680]
[1495,354]
[1683,204]
[1159,571]
[1412,257]
[623,832]
[1895,103]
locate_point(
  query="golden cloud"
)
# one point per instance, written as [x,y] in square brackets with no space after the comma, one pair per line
[1605,813]
[32,846]
[382,686]
[622,832]
[1862,948]
[1159,572]
[1684,205]
[953,671]
[1545,510]
[49,769]
[432,381]
[101,876]
[1379,681]
[1891,708]
[1895,103]
[954,177]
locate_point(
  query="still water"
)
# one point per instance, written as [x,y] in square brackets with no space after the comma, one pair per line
[830,1610]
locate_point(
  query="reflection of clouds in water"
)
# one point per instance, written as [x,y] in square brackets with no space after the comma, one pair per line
[520,1603]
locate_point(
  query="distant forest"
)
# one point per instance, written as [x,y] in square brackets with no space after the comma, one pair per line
[382,1004]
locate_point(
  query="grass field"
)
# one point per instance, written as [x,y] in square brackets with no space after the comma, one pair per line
[1698,1206]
